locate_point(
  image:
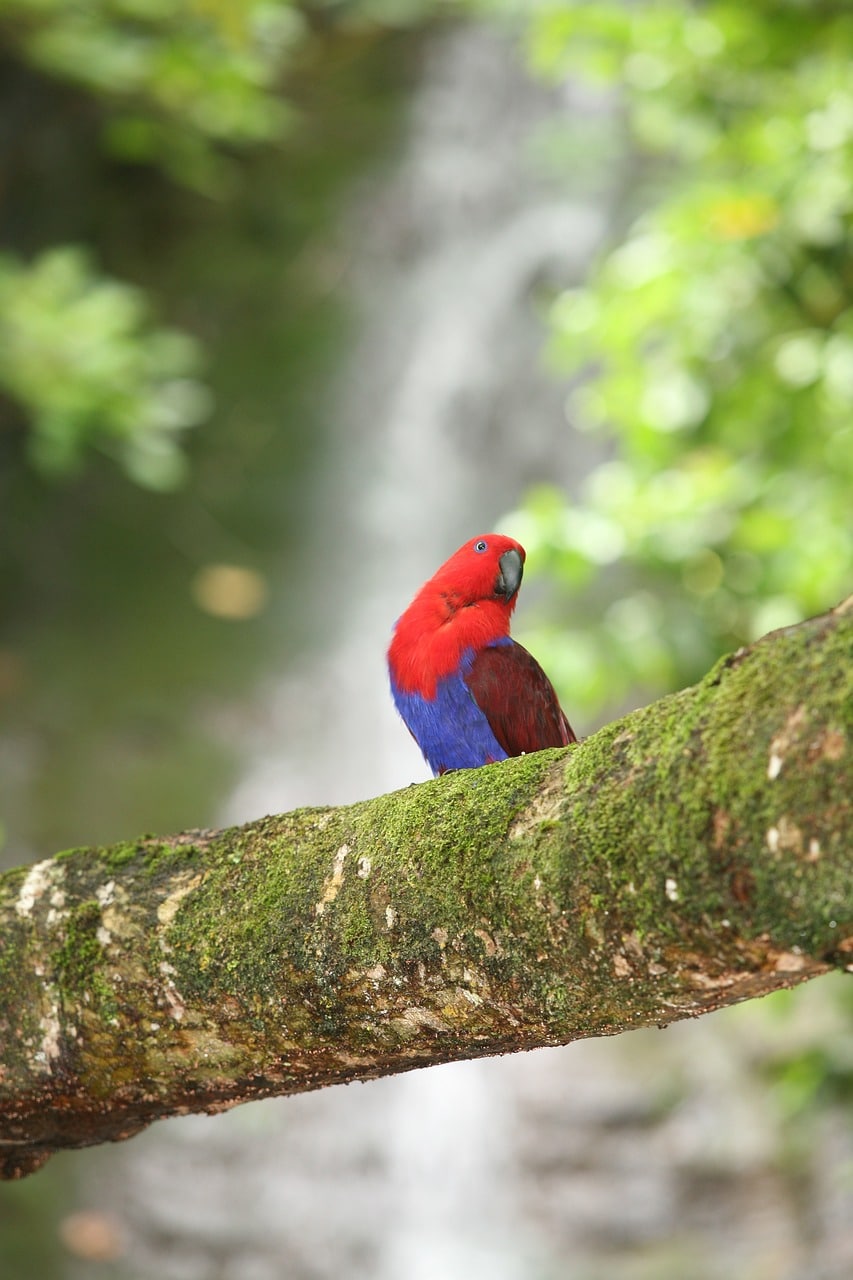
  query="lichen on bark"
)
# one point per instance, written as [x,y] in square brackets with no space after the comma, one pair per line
[693,854]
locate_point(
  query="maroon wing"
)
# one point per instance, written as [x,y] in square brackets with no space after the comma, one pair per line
[518,700]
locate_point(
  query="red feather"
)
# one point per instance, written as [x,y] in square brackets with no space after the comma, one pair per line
[454,611]
[518,700]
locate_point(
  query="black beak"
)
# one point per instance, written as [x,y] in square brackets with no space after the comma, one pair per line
[511,567]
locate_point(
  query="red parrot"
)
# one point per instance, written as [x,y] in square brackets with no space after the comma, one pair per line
[468,693]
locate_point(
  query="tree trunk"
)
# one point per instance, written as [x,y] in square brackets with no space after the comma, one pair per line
[693,854]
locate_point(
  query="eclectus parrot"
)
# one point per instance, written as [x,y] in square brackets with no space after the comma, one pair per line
[468,693]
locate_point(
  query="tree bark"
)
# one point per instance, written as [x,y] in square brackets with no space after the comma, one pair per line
[693,854]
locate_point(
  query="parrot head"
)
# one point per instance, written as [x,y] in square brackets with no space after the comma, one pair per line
[489,567]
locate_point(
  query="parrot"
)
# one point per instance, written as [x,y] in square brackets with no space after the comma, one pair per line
[468,693]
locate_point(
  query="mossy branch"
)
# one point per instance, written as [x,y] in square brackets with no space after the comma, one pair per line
[693,854]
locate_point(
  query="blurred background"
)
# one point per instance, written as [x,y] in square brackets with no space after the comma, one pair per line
[295,297]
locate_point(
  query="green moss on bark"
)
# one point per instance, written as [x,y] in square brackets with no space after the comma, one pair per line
[699,768]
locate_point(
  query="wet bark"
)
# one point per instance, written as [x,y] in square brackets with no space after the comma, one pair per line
[691,855]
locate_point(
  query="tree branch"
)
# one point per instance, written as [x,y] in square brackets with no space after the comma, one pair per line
[691,855]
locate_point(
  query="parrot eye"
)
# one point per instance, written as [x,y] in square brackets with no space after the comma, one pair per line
[481,545]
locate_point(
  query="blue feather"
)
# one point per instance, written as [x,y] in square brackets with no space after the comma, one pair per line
[450,729]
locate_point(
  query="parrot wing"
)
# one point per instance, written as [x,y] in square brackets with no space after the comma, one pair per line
[517,699]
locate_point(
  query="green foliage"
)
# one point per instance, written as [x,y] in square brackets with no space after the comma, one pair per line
[119,93]
[177,75]
[713,344]
[79,354]
[801,1043]
[179,86]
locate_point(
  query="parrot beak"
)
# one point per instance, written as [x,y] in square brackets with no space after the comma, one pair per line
[511,568]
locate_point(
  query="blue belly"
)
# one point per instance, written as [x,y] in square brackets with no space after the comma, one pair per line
[450,729]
